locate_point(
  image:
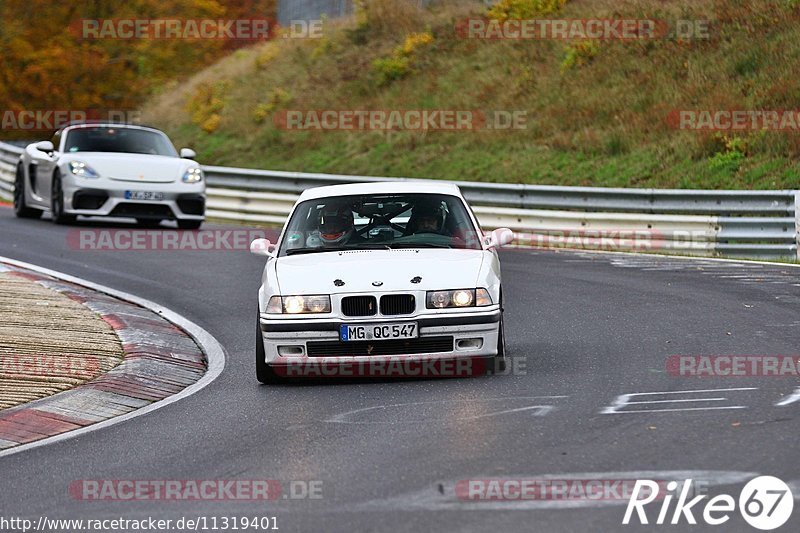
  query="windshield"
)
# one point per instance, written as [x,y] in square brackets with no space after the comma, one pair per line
[380,221]
[120,140]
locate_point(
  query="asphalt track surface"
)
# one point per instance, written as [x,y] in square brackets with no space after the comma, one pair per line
[589,328]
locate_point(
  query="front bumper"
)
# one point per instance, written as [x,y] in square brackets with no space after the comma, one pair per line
[106,198]
[463,335]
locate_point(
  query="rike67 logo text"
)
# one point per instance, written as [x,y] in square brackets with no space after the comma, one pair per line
[765,503]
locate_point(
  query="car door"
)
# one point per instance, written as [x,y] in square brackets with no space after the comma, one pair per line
[44,175]
[45,166]
[34,184]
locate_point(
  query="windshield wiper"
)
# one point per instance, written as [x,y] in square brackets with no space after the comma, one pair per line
[362,246]
[369,246]
[419,245]
[292,251]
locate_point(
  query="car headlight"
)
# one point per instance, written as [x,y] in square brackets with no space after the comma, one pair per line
[458,298]
[193,175]
[295,305]
[82,170]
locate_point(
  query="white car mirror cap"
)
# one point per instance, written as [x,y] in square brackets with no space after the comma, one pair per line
[44,146]
[504,236]
[188,153]
[498,238]
[262,247]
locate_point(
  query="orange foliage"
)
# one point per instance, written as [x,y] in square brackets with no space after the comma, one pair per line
[47,64]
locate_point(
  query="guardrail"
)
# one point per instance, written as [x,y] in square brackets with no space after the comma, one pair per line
[698,222]
[9,155]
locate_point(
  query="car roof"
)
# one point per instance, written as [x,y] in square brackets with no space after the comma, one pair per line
[117,125]
[383,187]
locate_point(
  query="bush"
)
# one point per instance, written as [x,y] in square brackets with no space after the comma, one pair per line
[266,56]
[206,104]
[414,42]
[323,47]
[398,65]
[391,68]
[579,54]
[211,124]
[277,97]
[732,158]
[728,162]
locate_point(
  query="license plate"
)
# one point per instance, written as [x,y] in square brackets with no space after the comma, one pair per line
[375,332]
[143,195]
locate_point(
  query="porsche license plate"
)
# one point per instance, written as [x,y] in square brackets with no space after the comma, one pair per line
[374,332]
[144,195]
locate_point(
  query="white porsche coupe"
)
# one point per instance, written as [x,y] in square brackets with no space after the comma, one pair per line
[118,170]
[376,272]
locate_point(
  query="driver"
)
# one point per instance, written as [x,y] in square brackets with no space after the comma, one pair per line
[336,226]
[428,217]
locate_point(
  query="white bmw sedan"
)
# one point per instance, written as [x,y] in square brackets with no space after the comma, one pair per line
[117,170]
[368,274]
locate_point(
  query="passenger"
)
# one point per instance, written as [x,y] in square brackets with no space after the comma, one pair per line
[337,228]
[427,217]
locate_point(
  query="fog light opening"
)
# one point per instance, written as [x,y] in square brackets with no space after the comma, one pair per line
[469,344]
[292,350]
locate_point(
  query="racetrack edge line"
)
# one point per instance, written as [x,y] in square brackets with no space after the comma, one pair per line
[213,350]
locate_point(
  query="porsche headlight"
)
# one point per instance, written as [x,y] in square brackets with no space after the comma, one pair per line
[458,298]
[82,170]
[193,175]
[295,305]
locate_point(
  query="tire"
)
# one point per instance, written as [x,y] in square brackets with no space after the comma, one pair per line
[190,224]
[57,202]
[20,209]
[500,358]
[264,373]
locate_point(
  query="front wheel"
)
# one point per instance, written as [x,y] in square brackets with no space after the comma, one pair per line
[57,202]
[500,358]
[20,209]
[264,373]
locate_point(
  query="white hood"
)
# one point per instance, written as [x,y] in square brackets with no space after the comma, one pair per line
[439,269]
[141,168]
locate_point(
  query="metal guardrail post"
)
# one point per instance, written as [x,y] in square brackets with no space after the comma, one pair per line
[797,222]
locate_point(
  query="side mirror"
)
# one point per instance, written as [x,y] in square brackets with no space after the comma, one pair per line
[188,153]
[262,247]
[498,238]
[45,146]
